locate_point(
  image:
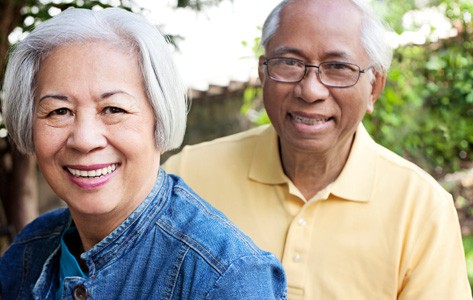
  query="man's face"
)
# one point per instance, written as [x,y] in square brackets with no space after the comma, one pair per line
[308,116]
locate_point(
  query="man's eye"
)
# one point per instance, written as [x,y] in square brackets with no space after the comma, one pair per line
[291,62]
[113,110]
[338,66]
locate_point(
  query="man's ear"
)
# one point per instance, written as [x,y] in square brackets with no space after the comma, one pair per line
[261,73]
[377,87]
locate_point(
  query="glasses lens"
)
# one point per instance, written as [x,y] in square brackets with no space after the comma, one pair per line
[339,74]
[286,69]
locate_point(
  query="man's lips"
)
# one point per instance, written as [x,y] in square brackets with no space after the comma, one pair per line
[92,173]
[309,120]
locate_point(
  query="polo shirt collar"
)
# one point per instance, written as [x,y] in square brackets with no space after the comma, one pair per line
[266,164]
[357,178]
[354,183]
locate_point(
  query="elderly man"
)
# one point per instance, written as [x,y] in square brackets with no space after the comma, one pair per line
[348,218]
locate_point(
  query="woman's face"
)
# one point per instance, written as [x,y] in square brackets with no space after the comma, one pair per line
[93,129]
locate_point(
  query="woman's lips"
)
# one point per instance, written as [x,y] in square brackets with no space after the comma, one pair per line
[92,173]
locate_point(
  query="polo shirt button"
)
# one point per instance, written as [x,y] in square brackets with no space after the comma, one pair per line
[296,258]
[80,292]
[302,222]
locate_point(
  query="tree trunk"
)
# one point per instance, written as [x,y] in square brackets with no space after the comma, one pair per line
[18,188]
[18,184]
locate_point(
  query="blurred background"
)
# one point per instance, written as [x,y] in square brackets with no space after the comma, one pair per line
[425,113]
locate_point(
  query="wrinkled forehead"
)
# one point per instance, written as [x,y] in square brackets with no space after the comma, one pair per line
[313,30]
[341,13]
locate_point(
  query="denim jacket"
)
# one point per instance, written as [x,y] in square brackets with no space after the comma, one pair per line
[173,246]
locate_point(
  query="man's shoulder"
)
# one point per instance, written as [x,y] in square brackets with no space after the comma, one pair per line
[234,142]
[212,155]
[401,168]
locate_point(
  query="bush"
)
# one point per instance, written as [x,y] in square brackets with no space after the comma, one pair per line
[426,111]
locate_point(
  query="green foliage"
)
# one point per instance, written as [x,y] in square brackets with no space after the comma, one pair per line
[426,111]
[198,5]
[253,106]
[39,11]
[468,246]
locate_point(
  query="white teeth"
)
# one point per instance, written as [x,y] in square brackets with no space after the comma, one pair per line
[308,121]
[93,173]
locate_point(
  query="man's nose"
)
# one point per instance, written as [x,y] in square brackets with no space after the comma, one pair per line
[310,88]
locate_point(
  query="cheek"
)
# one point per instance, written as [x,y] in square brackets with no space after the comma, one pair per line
[274,96]
[46,140]
[136,138]
[357,100]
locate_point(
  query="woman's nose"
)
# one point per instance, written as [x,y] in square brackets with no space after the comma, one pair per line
[87,134]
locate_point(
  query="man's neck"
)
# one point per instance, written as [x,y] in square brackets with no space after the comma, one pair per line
[311,172]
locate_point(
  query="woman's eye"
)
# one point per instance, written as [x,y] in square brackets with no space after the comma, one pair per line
[113,110]
[60,112]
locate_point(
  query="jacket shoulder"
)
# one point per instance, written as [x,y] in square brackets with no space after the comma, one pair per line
[206,230]
[21,264]
[50,223]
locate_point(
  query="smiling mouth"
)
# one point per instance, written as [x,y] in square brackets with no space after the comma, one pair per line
[309,121]
[92,173]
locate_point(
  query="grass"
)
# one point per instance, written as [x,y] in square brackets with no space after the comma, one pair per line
[468,245]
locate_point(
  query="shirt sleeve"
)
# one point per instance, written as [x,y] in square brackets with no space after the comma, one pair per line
[436,267]
[252,277]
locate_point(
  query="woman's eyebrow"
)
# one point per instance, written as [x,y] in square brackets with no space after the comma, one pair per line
[102,96]
[54,96]
[111,93]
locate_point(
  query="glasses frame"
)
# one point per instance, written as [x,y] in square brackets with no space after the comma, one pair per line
[318,72]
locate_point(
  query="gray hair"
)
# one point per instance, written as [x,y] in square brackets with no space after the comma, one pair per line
[373,33]
[165,89]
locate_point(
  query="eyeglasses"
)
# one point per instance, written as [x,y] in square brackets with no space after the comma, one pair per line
[330,74]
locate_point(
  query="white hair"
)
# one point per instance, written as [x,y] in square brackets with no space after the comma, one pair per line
[165,90]
[373,33]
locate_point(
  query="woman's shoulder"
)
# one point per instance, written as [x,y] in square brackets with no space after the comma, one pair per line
[49,224]
[22,262]
[205,229]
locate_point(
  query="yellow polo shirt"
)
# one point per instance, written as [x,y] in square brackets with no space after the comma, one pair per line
[383,230]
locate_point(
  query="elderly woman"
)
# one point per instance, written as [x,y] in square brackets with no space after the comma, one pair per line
[94,95]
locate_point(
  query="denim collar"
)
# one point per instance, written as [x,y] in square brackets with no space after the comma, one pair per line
[120,240]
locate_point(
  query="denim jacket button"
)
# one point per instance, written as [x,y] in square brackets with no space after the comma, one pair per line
[80,293]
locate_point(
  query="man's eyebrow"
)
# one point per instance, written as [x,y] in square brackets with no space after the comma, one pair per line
[335,54]
[287,50]
[329,55]
[54,96]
